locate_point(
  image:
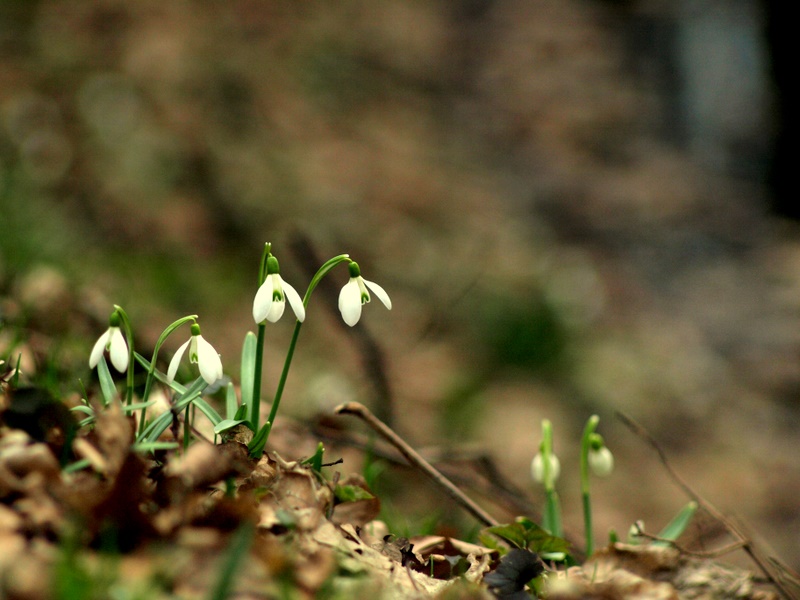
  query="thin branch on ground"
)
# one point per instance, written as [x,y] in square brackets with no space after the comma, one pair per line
[779,575]
[362,412]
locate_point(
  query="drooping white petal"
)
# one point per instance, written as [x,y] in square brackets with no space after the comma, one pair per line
[276,309]
[380,293]
[601,461]
[263,300]
[99,348]
[208,361]
[537,467]
[295,301]
[173,364]
[118,349]
[350,302]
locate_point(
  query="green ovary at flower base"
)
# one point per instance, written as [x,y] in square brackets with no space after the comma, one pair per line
[202,354]
[113,342]
[354,294]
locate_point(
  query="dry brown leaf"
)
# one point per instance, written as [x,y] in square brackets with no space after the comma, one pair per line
[625,571]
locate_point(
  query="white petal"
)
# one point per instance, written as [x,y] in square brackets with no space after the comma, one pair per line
[601,461]
[276,311]
[380,293]
[537,467]
[263,300]
[173,364]
[99,348]
[208,361]
[350,302]
[295,301]
[118,350]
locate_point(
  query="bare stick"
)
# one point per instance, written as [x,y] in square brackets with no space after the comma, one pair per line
[771,567]
[362,412]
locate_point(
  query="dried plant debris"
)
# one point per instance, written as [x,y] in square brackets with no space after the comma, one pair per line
[211,521]
[648,571]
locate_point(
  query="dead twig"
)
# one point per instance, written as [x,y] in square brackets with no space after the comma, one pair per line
[779,575]
[362,412]
[640,532]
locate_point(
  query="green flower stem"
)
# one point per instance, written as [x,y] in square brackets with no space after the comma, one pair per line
[552,515]
[255,408]
[187,426]
[284,374]
[589,429]
[321,272]
[126,323]
[151,370]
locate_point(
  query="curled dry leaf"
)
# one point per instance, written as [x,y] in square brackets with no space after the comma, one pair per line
[295,498]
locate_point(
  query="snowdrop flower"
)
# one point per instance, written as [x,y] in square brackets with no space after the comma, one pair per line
[201,353]
[601,461]
[537,467]
[113,342]
[270,300]
[354,294]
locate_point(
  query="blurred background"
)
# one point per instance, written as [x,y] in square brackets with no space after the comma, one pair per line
[577,207]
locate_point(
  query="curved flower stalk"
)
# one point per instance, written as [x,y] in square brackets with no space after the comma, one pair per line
[595,456]
[151,368]
[202,354]
[545,468]
[355,294]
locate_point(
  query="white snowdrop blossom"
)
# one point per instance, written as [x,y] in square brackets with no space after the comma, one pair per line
[270,300]
[202,354]
[601,461]
[355,293]
[113,342]
[537,467]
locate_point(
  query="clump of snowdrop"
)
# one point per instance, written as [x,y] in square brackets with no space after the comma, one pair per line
[269,304]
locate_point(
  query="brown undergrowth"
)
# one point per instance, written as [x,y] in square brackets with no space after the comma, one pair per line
[212,522]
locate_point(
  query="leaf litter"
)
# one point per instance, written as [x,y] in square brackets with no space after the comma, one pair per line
[211,522]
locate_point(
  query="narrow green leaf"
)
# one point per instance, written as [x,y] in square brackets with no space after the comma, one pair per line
[162,377]
[256,446]
[231,402]
[315,461]
[163,421]
[153,446]
[677,525]
[207,410]
[84,409]
[227,424]
[248,372]
[107,386]
[241,414]
[138,406]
